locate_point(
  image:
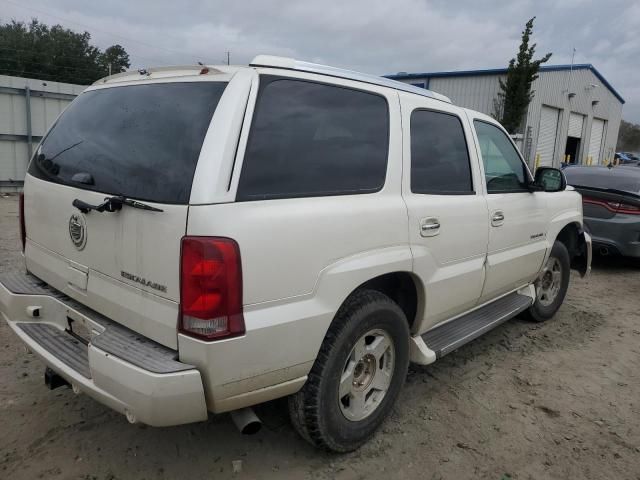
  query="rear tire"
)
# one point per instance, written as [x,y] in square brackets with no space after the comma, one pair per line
[357,376]
[552,285]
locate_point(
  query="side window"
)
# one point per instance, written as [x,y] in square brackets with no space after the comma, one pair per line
[439,155]
[309,139]
[504,170]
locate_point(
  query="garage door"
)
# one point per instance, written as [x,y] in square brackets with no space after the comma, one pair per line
[595,142]
[547,135]
[575,125]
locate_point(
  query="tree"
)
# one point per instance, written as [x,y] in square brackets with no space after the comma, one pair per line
[115,59]
[55,53]
[629,137]
[515,92]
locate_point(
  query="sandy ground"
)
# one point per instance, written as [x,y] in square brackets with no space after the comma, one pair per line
[526,401]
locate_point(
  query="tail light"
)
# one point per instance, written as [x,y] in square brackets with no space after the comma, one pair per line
[615,207]
[23,230]
[211,288]
[629,209]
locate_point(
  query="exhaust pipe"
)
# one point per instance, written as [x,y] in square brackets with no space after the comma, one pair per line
[246,420]
[604,251]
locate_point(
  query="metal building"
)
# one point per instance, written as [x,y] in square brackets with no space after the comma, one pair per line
[28,107]
[574,116]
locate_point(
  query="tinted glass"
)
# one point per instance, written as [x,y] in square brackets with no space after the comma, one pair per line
[140,141]
[310,139]
[439,156]
[503,168]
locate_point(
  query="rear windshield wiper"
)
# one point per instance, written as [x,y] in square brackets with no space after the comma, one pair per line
[113,204]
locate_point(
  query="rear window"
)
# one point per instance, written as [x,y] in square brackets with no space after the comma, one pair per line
[439,156]
[310,139]
[139,141]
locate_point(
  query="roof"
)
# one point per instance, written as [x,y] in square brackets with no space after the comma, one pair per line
[292,64]
[501,71]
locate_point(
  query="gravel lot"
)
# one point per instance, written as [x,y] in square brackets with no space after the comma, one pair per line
[526,401]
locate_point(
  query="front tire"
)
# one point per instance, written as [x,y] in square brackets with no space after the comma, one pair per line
[357,376]
[552,284]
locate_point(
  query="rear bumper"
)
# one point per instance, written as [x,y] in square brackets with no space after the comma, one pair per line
[620,234]
[119,368]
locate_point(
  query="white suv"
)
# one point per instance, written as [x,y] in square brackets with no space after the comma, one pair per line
[203,239]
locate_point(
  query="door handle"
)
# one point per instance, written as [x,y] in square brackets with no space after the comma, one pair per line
[429,227]
[497,219]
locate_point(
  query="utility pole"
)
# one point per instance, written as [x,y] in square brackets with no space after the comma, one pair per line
[228,57]
[109,69]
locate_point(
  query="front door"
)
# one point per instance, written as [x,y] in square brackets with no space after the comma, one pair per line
[517,216]
[448,222]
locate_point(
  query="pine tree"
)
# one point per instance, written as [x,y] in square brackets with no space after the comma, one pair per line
[515,92]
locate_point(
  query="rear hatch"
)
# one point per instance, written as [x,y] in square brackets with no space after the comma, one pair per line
[140,142]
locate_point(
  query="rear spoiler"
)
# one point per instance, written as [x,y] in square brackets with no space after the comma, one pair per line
[612,191]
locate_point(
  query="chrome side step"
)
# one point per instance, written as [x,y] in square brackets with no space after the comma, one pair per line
[452,335]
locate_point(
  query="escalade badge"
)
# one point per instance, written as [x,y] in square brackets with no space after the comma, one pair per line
[78,230]
[143,281]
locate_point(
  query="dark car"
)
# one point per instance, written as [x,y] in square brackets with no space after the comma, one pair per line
[624,158]
[611,204]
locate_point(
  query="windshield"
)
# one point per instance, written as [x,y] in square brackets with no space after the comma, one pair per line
[139,141]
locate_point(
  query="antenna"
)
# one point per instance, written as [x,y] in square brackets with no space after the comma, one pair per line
[573,56]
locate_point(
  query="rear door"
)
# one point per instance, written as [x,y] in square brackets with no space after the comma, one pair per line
[448,220]
[139,141]
[517,217]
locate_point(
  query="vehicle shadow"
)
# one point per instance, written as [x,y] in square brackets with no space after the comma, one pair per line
[611,263]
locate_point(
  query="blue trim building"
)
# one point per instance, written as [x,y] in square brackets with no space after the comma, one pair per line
[574,116]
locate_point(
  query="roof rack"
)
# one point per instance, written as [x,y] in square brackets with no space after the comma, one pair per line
[293,64]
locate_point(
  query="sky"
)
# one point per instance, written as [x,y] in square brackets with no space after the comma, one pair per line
[373,36]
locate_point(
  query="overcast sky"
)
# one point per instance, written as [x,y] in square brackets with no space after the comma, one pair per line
[375,36]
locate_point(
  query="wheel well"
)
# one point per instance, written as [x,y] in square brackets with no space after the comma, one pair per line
[570,237]
[401,288]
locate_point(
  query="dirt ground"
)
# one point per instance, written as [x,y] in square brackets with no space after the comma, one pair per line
[527,401]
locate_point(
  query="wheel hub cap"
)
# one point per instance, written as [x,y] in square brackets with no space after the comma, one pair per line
[549,282]
[366,375]
[364,372]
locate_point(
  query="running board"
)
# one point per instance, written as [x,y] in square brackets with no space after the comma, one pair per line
[452,335]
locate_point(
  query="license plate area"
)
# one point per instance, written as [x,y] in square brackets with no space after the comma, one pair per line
[79,330]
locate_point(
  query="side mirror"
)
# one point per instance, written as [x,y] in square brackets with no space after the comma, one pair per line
[550,179]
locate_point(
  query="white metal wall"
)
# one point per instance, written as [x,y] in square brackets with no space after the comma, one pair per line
[476,93]
[19,123]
